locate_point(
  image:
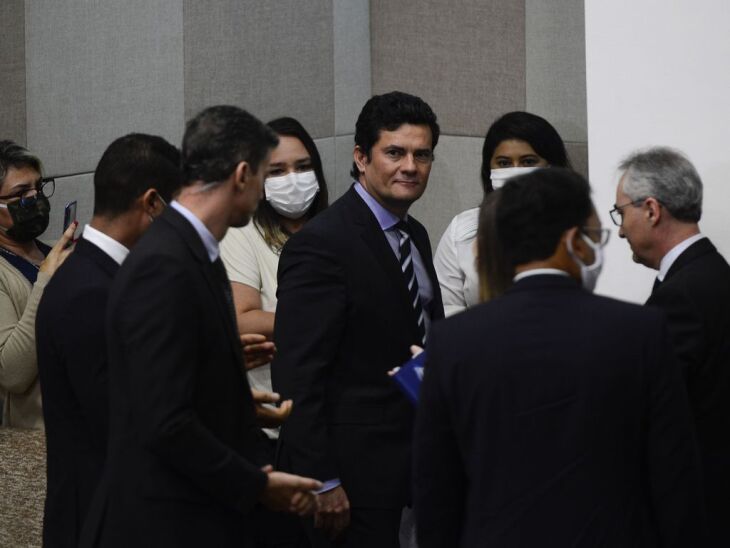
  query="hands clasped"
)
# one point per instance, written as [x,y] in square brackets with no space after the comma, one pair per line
[290,493]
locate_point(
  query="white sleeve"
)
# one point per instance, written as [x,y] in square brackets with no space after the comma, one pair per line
[239,257]
[450,275]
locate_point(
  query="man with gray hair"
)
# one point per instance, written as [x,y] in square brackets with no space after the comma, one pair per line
[658,207]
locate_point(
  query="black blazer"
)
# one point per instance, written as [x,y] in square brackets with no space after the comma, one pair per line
[553,417]
[182,436]
[695,296]
[344,319]
[72,364]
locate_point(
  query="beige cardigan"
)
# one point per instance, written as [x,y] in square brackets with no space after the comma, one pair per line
[19,384]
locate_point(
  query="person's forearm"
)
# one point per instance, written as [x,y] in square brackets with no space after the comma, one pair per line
[256,321]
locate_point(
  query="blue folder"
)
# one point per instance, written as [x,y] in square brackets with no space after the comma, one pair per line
[410,375]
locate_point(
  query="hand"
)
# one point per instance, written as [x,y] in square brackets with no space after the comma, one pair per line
[290,493]
[334,512]
[415,351]
[58,252]
[257,351]
[270,417]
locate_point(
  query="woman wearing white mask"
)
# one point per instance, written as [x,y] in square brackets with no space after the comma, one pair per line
[516,143]
[294,191]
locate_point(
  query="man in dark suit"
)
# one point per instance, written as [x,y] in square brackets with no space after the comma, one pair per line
[181,465]
[549,416]
[136,176]
[356,289]
[658,207]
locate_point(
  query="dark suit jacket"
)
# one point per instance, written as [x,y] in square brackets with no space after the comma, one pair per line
[695,296]
[553,417]
[72,364]
[182,436]
[344,319]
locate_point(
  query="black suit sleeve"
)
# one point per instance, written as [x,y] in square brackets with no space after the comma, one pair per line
[163,353]
[310,318]
[85,353]
[438,479]
[685,325]
[671,452]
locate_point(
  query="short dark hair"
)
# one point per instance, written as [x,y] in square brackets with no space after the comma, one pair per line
[217,139]
[13,155]
[129,167]
[389,112]
[535,209]
[523,126]
[266,219]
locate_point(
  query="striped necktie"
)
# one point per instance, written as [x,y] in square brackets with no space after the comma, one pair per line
[409,273]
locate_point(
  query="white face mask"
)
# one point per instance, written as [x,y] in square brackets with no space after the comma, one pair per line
[501,175]
[291,195]
[588,273]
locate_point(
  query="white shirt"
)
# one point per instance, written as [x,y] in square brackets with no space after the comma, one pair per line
[209,241]
[249,260]
[538,272]
[674,253]
[106,243]
[455,263]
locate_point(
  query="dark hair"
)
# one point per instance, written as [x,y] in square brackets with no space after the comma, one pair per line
[534,211]
[266,219]
[523,126]
[389,112]
[218,139]
[13,155]
[129,167]
[495,276]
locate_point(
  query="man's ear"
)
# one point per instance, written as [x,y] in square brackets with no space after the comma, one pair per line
[150,202]
[361,159]
[653,211]
[241,175]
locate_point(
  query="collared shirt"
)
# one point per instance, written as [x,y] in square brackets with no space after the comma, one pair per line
[206,236]
[538,272]
[674,253]
[387,221]
[106,243]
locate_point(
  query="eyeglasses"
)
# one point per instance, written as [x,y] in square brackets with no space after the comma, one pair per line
[617,213]
[604,234]
[27,196]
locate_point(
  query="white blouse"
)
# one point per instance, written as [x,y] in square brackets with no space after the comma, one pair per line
[455,263]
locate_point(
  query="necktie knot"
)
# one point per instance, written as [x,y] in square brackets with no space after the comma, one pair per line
[404,227]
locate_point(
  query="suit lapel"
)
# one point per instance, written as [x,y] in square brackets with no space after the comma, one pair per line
[374,237]
[200,254]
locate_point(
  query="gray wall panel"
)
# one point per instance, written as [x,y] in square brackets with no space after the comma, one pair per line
[12,71]
[271,58]
[326,148]
[68,189]
[578,154]
[467,60]
[344,145]
[453,185]
[352,61]
[556,65]
[97,71]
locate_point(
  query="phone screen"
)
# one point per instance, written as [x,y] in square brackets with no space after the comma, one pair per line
[69,214]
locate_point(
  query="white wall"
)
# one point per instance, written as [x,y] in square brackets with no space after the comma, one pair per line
[658,74]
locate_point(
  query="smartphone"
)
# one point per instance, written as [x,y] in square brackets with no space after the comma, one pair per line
[69,214]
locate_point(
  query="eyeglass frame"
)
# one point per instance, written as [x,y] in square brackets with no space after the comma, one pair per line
[40,185]
[602,241]
[619,209]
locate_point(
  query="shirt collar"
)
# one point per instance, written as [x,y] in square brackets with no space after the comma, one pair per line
[386,219]
[106,243]
[209,241]
[539,272]
[674,253]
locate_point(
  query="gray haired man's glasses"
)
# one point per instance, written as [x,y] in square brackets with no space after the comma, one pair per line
[617,213]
